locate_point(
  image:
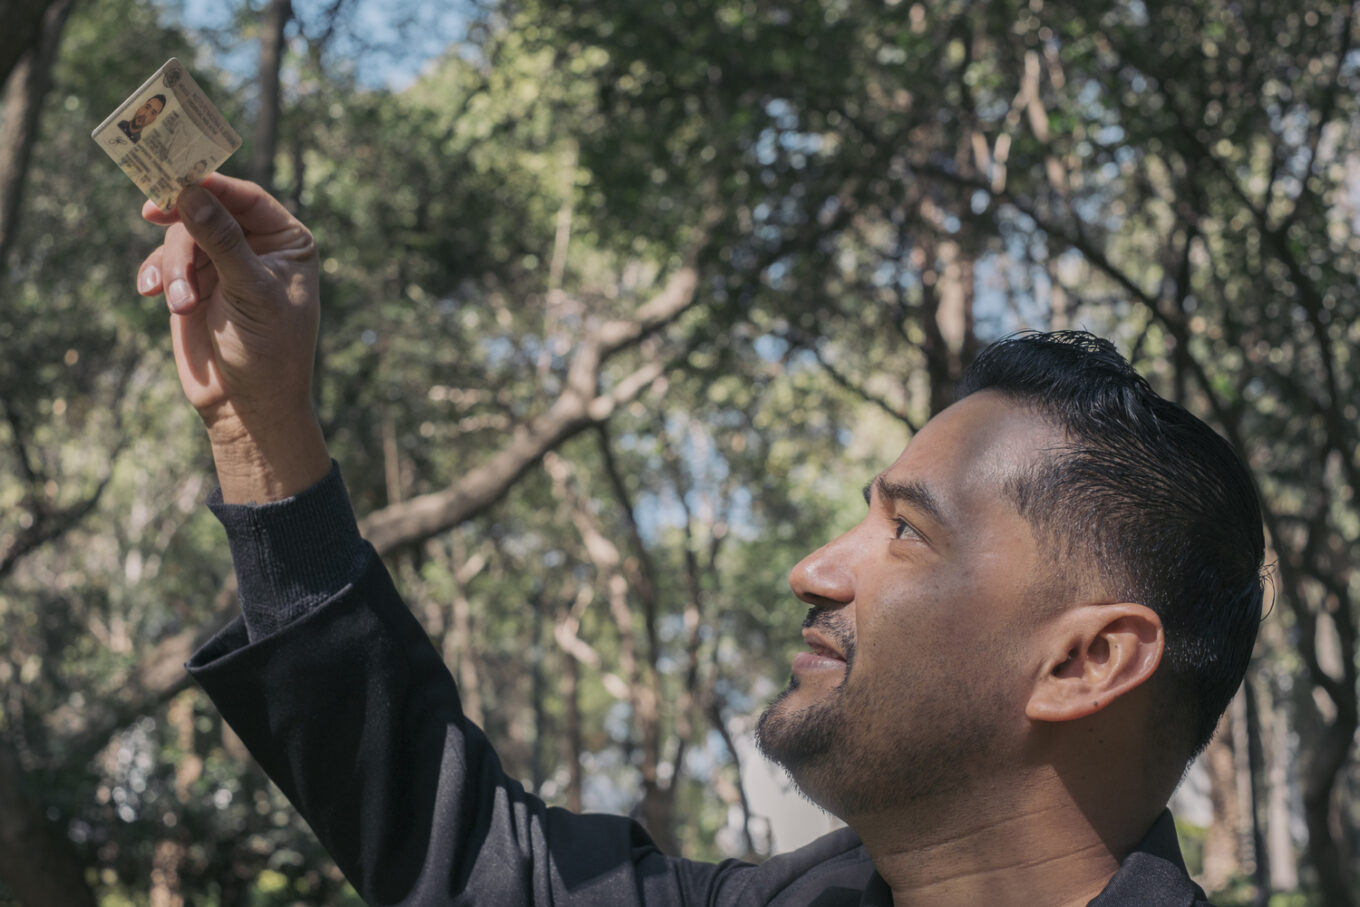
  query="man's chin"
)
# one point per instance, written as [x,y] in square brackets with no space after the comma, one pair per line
[768,726]
[792,732]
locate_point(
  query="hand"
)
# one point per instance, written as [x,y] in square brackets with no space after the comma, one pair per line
[240,275]
[241,280]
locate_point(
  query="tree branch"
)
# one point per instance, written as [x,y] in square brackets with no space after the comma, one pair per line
[576,408]
[803,342]
[161,672]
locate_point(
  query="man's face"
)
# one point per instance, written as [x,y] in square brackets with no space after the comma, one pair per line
[921,630]
[147,113]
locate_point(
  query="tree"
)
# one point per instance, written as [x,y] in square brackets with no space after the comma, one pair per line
[25,91]
[615,298]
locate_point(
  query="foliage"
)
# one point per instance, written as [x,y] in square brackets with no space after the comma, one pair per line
[866,191]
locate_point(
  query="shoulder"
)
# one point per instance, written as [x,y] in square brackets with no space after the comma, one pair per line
[832,870]
[1154,875]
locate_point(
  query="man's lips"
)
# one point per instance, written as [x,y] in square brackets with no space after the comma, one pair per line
[820,645]
[824,656]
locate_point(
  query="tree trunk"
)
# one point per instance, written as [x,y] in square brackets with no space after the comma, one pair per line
[391,457]
[1322,766]
[1328,646]
[180,716]
[23,24]
[1255,756]
[30,77]
[537,771]
[266,138]
[947,313]
[458,646]
[658,801]
[1284,874]
[571,681]
[638,669]
[1059,306]
[1220,846]
[714,711]
[166,882]
[37,863]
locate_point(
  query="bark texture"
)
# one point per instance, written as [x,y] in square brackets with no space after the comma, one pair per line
[266,138]
[23,23]
[26,87]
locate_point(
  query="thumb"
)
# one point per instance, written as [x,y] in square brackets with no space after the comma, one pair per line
[217,233]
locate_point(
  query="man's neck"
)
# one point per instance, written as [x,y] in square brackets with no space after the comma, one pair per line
[1025,854]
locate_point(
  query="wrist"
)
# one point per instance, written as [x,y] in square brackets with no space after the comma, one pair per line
[258,463]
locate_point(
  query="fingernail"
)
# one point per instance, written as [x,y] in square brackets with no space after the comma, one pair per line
[193,204]
[178,295]
[148,279]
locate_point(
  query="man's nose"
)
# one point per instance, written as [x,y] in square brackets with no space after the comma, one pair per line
[825,577]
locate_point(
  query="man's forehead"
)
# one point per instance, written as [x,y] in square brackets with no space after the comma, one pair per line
[974,447]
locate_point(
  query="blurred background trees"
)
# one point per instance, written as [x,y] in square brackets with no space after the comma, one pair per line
[622,304]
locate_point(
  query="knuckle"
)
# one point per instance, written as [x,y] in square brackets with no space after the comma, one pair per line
[224,233]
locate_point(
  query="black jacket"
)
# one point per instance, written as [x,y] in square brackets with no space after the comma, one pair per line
[338,693]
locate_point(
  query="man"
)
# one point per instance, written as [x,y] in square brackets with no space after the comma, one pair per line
[144,117]
[1049,603]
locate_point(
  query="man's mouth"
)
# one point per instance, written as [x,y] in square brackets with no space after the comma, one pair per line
[820,645]
[822,655]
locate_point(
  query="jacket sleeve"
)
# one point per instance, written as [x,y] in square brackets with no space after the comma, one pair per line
[350,710]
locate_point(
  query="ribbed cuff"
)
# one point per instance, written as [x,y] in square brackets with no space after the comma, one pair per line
[292,555]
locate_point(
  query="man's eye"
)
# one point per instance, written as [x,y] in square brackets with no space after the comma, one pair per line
[904,530]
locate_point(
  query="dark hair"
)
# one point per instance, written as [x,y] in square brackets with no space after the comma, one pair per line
[157,97]
[1154,500]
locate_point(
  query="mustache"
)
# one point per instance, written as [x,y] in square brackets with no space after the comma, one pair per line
[832,624]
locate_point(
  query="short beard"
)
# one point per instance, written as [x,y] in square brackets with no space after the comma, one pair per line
[804,741]
[830,751]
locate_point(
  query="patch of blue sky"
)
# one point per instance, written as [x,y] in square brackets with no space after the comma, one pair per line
[387,46]
[770,348]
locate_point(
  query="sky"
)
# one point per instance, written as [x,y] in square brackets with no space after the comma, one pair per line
[389,41]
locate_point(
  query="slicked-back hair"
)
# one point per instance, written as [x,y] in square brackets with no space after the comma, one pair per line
[1149,500]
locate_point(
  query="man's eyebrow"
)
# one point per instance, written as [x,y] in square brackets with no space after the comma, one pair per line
[914,493]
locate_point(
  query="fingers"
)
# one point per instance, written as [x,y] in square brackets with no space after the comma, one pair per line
[153,213]
[254,209]
[149,281]
[215,231]
[155,276]
[207,222]
[174,262]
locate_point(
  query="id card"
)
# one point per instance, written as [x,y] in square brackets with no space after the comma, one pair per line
[168,135]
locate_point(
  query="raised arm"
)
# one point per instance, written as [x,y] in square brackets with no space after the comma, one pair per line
[329,680]
[239,274]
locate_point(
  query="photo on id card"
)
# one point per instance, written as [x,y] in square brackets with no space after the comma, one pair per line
[167,135]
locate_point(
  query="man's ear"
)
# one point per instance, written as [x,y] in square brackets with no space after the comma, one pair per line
[1098,653]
